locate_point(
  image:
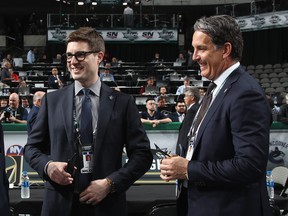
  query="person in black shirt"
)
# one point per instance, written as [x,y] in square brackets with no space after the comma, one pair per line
[151,116]
[14,112]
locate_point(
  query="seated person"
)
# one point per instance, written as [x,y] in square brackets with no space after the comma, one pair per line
[55,81]
[162,104]
[150,82]
[179,114]
[151,116]
[163,92]
[6,76]
[106,75]
[284,111]
[3,104]
[23,88]
[181,58]
[156,58]
[14,75]
[14,112]
[186,84]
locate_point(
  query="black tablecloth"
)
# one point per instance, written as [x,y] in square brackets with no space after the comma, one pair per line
[140,199]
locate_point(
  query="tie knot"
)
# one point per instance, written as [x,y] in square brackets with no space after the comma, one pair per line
[86,91]
[210,88]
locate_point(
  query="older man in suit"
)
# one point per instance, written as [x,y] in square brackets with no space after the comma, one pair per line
[37,100]
[225,163]
[4,204]
[89,126]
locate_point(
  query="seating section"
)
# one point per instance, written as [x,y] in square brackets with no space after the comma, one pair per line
[129,77]
[272,77]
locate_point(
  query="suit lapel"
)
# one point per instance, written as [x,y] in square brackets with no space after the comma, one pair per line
[233,77]
[67,112]
[107,100]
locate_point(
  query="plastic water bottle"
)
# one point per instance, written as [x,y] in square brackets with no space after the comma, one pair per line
[25,186]
[270,184]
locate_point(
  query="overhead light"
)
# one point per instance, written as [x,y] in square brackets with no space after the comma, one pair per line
[80,3]
[137,2]
[124,3]
[58,0]
[94,3]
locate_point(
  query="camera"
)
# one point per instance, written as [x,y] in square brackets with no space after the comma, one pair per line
[7,112]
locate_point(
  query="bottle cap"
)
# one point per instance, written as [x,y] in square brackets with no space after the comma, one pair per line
[268,172]
[24,173]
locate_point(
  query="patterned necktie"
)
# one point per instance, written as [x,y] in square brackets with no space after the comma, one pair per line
[204,106]
[86,119]
[86,136]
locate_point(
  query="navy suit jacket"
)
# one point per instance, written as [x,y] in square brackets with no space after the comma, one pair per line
[184,130]
[174,117]
[32,118]
[118,124]
[4,185]
[227,170]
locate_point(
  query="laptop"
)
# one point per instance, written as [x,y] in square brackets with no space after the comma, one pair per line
[141,100]
[23,90]
[177,64]
[151,90]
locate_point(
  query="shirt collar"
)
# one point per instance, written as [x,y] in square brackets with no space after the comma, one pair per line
[95,88]
[221,79]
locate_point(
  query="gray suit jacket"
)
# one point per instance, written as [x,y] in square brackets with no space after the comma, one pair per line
[118,125]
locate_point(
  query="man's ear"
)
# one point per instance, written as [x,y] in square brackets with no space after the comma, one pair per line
[100,55]
[227,49]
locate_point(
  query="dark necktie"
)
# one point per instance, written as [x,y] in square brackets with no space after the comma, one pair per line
[86,136]
[86,119]
[204,107]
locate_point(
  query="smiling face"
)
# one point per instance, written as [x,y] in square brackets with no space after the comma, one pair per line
[86,71]
[210,58]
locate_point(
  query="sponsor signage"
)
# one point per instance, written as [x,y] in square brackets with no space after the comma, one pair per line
[263,21]
[125,35]
[15,162]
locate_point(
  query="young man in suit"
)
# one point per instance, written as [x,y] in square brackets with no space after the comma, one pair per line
[223,168]
[179,114]
[96,186]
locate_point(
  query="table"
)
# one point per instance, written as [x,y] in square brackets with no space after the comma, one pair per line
[140,199]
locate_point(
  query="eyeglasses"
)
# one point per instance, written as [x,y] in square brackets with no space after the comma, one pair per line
[80,56]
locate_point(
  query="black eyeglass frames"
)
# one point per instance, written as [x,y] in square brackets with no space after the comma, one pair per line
[80,56]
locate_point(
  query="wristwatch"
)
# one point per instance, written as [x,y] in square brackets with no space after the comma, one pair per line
[112,186]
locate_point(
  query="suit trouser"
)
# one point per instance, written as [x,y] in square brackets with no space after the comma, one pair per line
[81,209]
[182,203]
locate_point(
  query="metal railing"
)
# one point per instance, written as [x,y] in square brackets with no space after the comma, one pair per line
[112,20]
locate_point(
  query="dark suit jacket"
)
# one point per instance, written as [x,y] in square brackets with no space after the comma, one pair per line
[184,129]
[51,82]
[4,185]
[32,118]
[174,117]
[227,170]
[118,125]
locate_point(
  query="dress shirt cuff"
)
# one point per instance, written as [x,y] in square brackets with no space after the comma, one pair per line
[46,167]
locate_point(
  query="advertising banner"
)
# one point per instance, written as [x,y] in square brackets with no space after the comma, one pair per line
[258,22]
[123,36]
